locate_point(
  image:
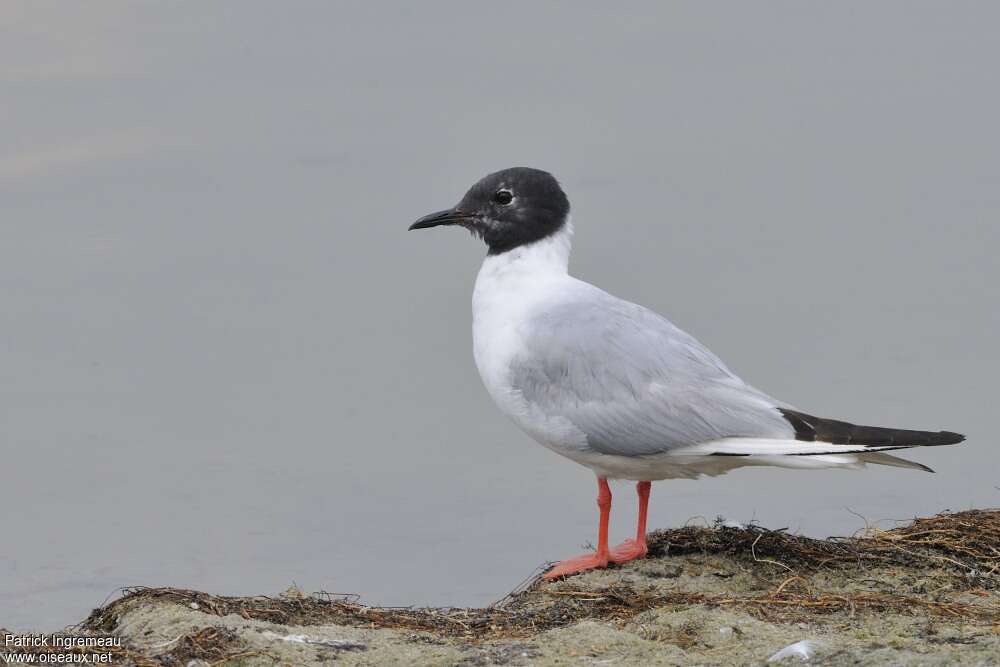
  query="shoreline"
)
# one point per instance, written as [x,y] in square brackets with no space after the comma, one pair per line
[924,593]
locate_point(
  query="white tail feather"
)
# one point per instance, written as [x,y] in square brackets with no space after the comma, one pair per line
[772,447]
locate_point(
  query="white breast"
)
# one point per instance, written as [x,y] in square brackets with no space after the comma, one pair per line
[510,289]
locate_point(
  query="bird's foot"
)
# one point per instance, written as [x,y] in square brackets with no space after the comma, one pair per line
[628,550]
[578,564]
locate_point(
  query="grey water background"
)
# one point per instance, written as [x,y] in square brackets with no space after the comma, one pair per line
[226,365]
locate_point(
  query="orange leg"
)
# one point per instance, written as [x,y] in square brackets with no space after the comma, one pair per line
[632,549]
[599,558]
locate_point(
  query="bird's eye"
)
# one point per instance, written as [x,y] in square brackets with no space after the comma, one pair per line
[503,197]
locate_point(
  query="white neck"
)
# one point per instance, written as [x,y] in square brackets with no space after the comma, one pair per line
[549,255]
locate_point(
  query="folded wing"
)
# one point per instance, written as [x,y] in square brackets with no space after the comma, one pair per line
[636,385]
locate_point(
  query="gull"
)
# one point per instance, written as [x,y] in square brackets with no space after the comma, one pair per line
[614,386]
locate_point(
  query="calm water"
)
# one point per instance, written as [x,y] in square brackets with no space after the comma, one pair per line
[226,366]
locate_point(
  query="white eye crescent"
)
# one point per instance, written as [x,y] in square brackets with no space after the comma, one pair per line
[503,197]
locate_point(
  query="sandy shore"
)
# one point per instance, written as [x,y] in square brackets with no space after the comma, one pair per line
[923,594]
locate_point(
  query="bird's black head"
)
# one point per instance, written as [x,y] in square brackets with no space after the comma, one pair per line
[507,209]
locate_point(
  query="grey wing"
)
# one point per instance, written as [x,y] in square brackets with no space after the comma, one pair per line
[634,383]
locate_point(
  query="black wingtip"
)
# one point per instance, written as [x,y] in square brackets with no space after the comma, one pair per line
[950,438]
[810,428]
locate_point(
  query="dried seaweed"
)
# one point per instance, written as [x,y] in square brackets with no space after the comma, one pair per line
[968,543]
[964,545]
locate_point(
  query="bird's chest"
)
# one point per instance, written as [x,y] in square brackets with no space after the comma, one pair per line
[505,308]
[502,308]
